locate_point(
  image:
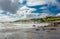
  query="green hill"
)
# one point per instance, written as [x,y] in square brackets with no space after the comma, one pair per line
[47,19]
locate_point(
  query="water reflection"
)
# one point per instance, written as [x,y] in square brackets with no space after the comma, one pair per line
[30,33]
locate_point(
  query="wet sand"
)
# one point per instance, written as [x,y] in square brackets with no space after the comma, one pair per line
[30,33]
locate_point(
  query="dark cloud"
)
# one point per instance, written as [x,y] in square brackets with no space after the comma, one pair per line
[9,6]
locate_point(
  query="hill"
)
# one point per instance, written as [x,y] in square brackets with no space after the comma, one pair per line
[47,19]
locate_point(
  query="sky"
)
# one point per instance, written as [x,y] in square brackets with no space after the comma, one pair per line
[11,10]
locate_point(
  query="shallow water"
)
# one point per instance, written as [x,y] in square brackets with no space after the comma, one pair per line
[30,33]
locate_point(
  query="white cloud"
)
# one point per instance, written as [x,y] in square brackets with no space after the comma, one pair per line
[35,2]
[21,1]
[12,0]
[37,15]
[27,13]
[41,2]
[43,15]
[25,10]
[8,17]
[4,18]
[58,14]
[32,15]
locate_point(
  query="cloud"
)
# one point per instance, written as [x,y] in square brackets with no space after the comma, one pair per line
[27,12]
[20,9]
[8,17]
[5,18]
[35,2]
[37,15]
[52,5]
[58,14]
[9,5]
[43,15]
[13,6]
